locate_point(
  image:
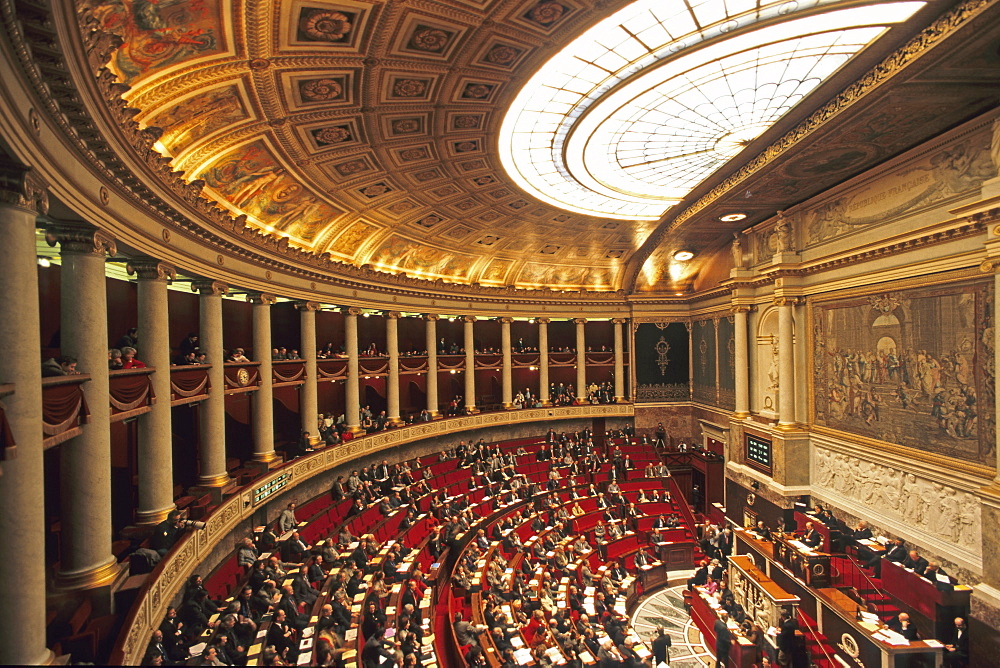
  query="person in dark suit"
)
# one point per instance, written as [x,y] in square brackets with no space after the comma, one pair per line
[660,647]
[812,538]
[902,625]
[956,651]
[700,575]
[895,551]
[939,577]
[915,562]
[723,640]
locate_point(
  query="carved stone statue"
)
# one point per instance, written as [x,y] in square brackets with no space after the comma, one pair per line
[737,250]
[783,235]
[995,146]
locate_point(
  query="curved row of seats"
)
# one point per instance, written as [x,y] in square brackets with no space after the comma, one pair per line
[323,520]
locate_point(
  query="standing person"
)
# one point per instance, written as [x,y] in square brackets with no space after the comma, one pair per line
[661,648]
[723,640]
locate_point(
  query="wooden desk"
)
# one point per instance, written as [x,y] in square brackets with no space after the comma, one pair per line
[811,566]
[742,654]
[823,529]
[940,607]
[761,597]
[653,576]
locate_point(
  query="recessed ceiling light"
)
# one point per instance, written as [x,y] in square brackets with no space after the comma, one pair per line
[683,255]
[732,217]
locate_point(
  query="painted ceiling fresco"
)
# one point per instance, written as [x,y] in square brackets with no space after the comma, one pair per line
[368,130]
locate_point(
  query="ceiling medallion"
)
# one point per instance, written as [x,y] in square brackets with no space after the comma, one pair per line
[732,217]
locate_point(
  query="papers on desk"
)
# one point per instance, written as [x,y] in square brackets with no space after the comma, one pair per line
[890,637]
[523,655]
[931,642]
[943,578]
[869,617]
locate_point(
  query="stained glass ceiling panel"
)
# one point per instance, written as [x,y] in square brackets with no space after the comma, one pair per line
[633,114]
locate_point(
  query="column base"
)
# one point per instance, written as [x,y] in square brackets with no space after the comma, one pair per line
[789,427]
[436,415]
[508,405]
[471,410]
[546,403]
[741,415]
[152,517]
[88,578]
[356,429]
[218,480]
[395,422]
[265,457]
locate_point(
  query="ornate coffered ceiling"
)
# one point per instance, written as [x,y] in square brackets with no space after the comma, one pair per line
[367,132]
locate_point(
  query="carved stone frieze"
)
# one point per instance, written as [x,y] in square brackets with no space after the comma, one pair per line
[909,503]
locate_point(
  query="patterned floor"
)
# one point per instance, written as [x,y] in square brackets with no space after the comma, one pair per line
[666,608]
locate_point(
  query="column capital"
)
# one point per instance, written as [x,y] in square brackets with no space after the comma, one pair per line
[543,321]
[207,286]
[80,239]
[22,188]
[352,310]
[468,318]
[393,315]
[262,298]
[619,321]
[506,320]
[150,269]
[431,316]
[580,321]
[308,306]
[740,308]
[786,300]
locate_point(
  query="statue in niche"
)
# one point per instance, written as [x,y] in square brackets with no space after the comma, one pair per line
[783,235]
[995,146]
[737,251]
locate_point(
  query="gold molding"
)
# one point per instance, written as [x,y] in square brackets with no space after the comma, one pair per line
[218,480]
[89,578]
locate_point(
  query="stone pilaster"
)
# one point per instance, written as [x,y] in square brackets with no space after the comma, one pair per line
[154,456]
[619,324]
[430,339]
[581,360]
[543,361]
[506,380]
[263,398]
[212,412]
[22,485]
[786,362]
[352,392]
[392,382]
[470,363]
[741,360]
[309,404]
[85,461]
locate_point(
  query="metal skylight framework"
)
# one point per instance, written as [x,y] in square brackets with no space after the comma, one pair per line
[633,114]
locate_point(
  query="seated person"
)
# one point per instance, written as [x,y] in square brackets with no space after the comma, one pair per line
[902,625]
[937,575]
[762,531]
[915,562]
[812,538]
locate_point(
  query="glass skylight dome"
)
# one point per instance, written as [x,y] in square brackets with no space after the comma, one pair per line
[633,114]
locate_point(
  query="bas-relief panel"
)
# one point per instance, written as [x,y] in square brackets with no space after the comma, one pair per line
[913,367]
[957,168]
[251,179]
[661,360]
[161,33]
[905,499]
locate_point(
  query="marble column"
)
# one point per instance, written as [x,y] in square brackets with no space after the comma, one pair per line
[506,380]
[212,412]
[352,392]
[263,398]
[470,364]
[543,361]
[689,325]
[392,382]
[581,361]
[22,485]
[786,362]
[430,339]
[155,453]
[309,397]
[85,461]
[741,361]
[619,324]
